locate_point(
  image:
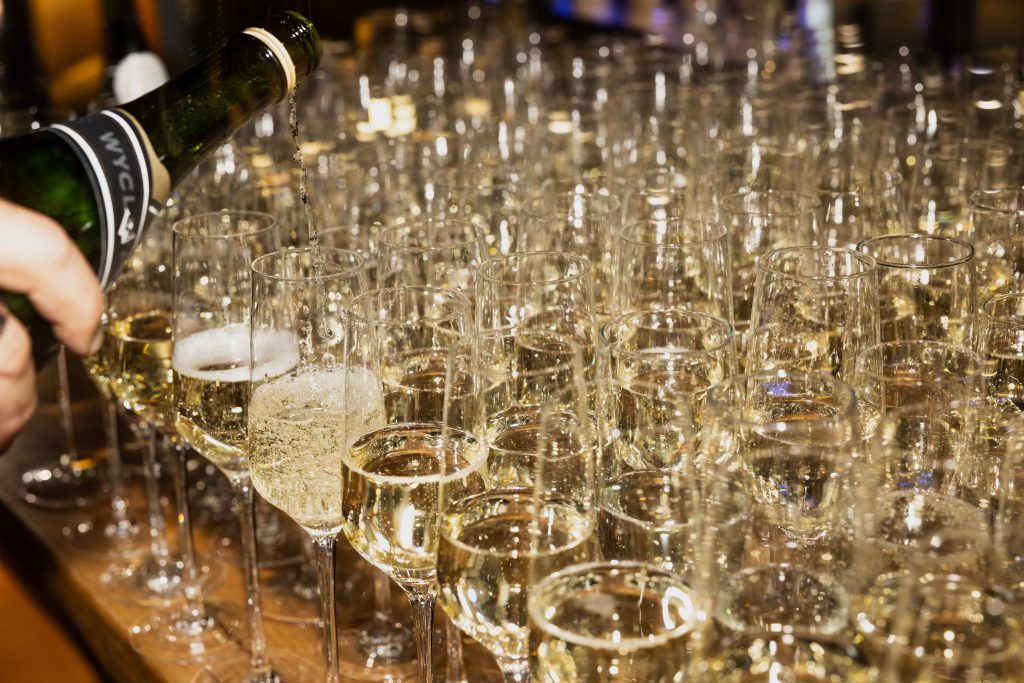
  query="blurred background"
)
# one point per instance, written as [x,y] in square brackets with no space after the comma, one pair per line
[53,52]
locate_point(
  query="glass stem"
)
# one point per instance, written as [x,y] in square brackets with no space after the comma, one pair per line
[325,547]
[246,500]
[67,420]
[190,577]
[151,477]
[422,608]
[456,669]
[514,669]
[115,473]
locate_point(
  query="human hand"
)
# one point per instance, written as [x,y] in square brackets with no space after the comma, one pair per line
[39,260]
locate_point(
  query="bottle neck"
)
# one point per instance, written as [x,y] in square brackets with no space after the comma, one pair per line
[200,109]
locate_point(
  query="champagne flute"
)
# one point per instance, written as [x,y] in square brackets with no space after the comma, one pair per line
[814,309]
[539,290]
[443,253]
[213,253]
[995,222]
[674,262]
[391,474]
[113,527]
[301,422]
[537,516]
[917,455]
[663,362]
[575,218]
[759,222]
[1000,341]
[135,357]
[927,287]
[779,485]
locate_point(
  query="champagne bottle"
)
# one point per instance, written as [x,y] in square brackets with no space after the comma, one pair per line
[102,175]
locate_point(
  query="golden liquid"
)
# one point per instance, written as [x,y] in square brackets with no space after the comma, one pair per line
[414,390]
[770,658]
[491,546]
[613,626]
[961,631]
[140,365]
[299,428]
[392,480]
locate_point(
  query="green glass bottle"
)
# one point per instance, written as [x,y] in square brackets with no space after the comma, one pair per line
[101,176]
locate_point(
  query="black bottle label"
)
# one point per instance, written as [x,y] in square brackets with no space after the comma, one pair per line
[116,153]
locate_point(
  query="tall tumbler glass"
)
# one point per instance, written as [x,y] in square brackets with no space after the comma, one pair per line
[212,299]
[814,309]
[927,285]
[301,421]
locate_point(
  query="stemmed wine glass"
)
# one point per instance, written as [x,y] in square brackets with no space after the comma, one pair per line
[145,384]
[530,398]
[137,340]
[302,421]
[391,474]
[779,486]
[213,253]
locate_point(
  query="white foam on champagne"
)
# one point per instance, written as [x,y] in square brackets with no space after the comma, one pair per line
[229,346]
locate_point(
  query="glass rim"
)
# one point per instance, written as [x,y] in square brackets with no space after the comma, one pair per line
[259,265]
[1004,318]
[732,203]
[465,239]
[627,232]
[975,201]
[615,345]
[941,239]
[354,303]
[530,204]
[582,262]
[613,568]
[180,226]
[764,263]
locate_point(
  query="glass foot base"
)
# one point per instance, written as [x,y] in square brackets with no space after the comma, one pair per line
[100,535]
[63,487]
[237,669]
[176,637]
[288,599]
[149,584]
[378,655]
